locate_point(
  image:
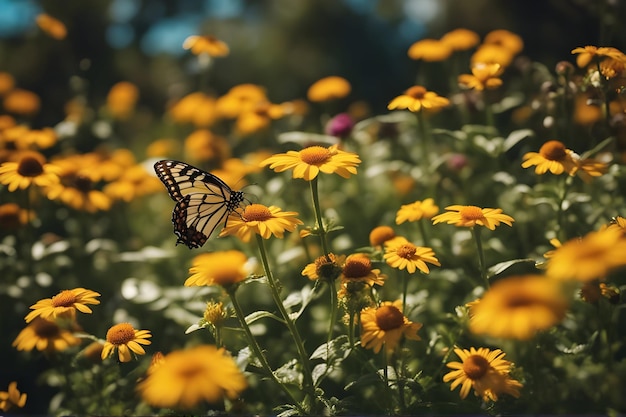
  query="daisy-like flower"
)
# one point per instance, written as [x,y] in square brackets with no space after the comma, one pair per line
[12,398]
[418,210]
[63,305]
[215,313]
[553,156]
[310,161]
[329,88]
[506,39]
[51,26]
[483,370]
[223,268]
[385,325]
[588,53]
[44,335]
[461,39]
[470,216]
[483,76]
[590,257]
[588,168]
[430,50]
[206,44]
[402,254]
[77,190]
[185,378]
[262,220]
[358,268]
[380,235]
[417,98]
[31,168]
[518,307]
[326,267]
[125,339]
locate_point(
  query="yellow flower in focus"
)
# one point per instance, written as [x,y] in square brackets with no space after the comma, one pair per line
[470,216]
[63,305]
[385,325]
[358,268]
[223,268]
[325,267]
[380,235]
[51,26]
[430,50]
[12,398]
[484,76]
[215,313]
[185,378]
[31,168]
[309,162]
[44,335]
[461,39]
[506,39]
[553,156]
[518,307]
[418,210]
[588,53]
[21,102]
[125,339]
[329,88]
[591,257]
[206,44]
[483,370]
[122,99]
[417,98]
[262,220]
[402,254]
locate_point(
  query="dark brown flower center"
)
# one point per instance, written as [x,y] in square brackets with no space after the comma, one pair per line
[30,166]
[120,334]
[45,329]
[83,183]
[389,318]
[406,251]
[357,267]
[475,367]
[416,92]
[553,150]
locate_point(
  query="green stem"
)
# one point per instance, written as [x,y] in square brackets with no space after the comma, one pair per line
[405,289]
[481,256]
[351,326]
[318,215]
[256,349]
[559,214]
[304,358]
[422,228]
[424,138]
[386,381]
[333,309]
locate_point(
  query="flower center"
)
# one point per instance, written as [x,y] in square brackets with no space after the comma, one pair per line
[520,301]
[120,334]
[256,212]
[65,298]
[475,367]
[45,329]
[471,213]
[315,155]
[326,267]
[406,251]
[553,150]
[30,166]
[416,92]
[82,183]
[357,267]
[389,318]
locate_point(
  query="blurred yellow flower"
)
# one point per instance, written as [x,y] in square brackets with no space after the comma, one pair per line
[7,82]
[470,216]
[206,44]
[461,39]
[126,340]
[51,26]
[358,268]
[12,216]
[492,54]
[483,76]
[588,53]
[77,191]
[31,168]
[44,335]
[380,235]
[185,378]
[417,98]
[262,220]
[196,108]
[402,254]
[12,398]
[418,210]
[223,268]
[385,325]
[309,162]
[202,145]
[430,50]
[134,182]
[239,99]
[506,39]
[518,307]
[553,156]
[483,370]
[162,148]
[64,305]
[329,88]
[21,102]
[122,99]
[325,267]
[258,118]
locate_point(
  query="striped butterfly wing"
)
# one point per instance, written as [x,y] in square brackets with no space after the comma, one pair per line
[203,201]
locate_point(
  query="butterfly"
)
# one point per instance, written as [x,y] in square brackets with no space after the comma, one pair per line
[203,201]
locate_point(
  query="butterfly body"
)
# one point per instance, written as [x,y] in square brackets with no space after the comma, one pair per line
[203,201]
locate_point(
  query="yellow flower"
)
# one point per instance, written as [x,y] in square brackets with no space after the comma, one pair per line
[588,168]
[44,335]
[506,39]
[461,39]
[484,370]
[329,88]
[12,398]
[591,292]
[63,305]
[326,267]
[492,54]
[417,98]
[618,223]
[554,242]
[416,211]
[52,26]
[7,83]
[239,99]
[518,307]
[262,220]
[588,53]
[430,50]
[402,254]
[215,313]
[121,100]
[206,44]
[125,339]
[470,216]
[358,268]
[258,118]
[484,76]
[223,268]
[31,168]
[380,235]
[21,102]
[203,146]
[553,157]
[185,378]
[13,216]
[309,162]
[385,325]
[197,108]
[590,257]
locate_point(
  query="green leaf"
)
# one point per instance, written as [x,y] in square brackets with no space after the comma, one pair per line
[516,137]
[252,317]
[512,267]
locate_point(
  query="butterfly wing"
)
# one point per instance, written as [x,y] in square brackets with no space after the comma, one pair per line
[182,179]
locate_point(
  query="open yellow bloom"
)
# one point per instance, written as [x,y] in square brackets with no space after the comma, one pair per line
[470,216]
[12,398]
[483,76]
[44,335]
[310,161]
[125,339]
[417,98]
[325,267]
[184,378]
[416,211]
[358,268]
[223,268]
[588,53]
[484,370]
[553,156]
[385,325]
[31,168]
[506,39]
[262,220]
[492,54]
[206,44]
[461,39]
[329,88]
[63,305]
[402,254]
[52,26]
[518,307]
[430,50]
